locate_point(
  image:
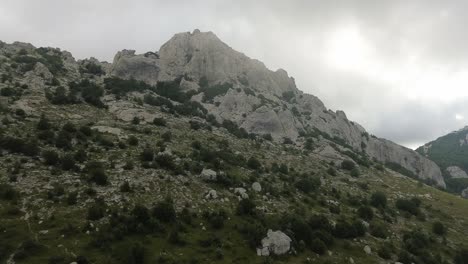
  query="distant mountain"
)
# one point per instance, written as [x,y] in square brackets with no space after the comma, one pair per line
[450,152]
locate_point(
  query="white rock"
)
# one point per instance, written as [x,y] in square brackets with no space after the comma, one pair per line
[367,249]
[241,192]
[456,172]
[256,187]
[208,175]
[276,242]
[211,195]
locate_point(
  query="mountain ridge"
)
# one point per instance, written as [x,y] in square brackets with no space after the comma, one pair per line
[276,107]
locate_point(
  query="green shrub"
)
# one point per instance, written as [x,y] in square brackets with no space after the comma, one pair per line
[90,92]
[438,228]
[318,246]
[167,136]
[408,205]
[92,68]
[346,229]
[385,251]
[308,185]
[136,254]
[121,87]
[246,207]
[159,121]
[287,141]
[166,161]
[416,242]
[8,193]
[68,162]
[253,163]
[348,165]
[125,187]
[147,154]
[19,145]
[355,172]
[378,230]
[132,141]
[287,96]
[95,212]
[44,123]
[72,198]
[7,91]
[96,172]
[365,212]
[378,200]
[331,171]
[64,140]
[164,211]
[210,92]
[461,256]
[50,157]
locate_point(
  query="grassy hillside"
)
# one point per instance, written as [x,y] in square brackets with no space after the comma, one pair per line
[52,212]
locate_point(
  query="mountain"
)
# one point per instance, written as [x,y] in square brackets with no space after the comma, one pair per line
[196,153]
[450,152]
[260,101]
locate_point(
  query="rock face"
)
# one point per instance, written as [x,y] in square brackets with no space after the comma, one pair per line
[276,242]
[456,172]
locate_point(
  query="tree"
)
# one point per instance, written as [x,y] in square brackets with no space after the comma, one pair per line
[44,123]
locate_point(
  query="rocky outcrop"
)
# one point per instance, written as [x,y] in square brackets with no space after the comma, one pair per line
[464,193]
[276,243]
[387,151]
[142,67]
[456,172]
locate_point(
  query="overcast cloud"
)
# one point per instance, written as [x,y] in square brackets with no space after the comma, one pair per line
[399,68]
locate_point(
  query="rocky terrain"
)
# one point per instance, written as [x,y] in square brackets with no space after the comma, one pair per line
[198,154]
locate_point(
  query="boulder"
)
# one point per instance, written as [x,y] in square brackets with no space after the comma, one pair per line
[208,175]
[241,192]
[367,249]
[256,187]
[276,243]
[211,195]
[464,193]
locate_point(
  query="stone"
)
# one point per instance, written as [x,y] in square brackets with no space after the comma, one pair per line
[464,193]
[276,243]
[256,187]
[211,195]
[208,175]
[367,249]
[241,192]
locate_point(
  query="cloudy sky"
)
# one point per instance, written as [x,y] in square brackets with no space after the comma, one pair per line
[400,68]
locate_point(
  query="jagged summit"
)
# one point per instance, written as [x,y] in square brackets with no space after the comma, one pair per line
[201,54]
